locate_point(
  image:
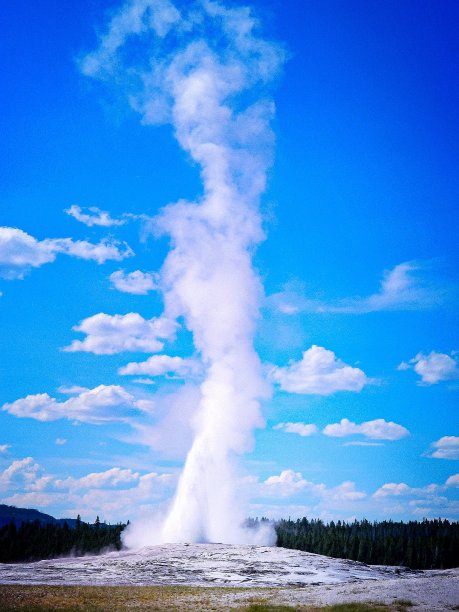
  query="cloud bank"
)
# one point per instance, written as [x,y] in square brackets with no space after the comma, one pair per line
[105,403]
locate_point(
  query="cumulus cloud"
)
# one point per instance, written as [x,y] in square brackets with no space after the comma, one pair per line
[99,405]
[378,429]
[289,483]
[127,499]
[110,334]
[346,502]
[112,493]
[452,481]
[285,484]
[404,287]
[4,448]
[20,252]
[136,283]
[433,368]
[346,491]
[445,448]
[72,389]
[93,216]
[393,489]
[302,429]
[33,499]
[319,372]
[161,365]
[21,472]
[401,489]
[96,480]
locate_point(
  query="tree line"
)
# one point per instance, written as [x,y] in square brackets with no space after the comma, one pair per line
[427,544]
[34,540]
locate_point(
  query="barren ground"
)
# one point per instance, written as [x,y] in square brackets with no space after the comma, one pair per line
[221,577]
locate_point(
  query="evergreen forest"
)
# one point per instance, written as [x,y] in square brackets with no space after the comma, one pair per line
[428,544]
[34,540]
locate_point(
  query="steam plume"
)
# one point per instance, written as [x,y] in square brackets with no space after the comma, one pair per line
[204,70]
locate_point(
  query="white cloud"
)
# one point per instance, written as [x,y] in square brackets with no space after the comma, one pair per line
[101,404]
[110,334]
[301,429]
[136,283]
[345,502]
[112,494]
[434,507]
[61,441]
[33,499]
[346,491]
[393,489]
[433,368]
[93,216]
[160,365]
[127,500]
[72,389]
[4,448]
[285,484]
[401,288]
[319,372]
[401,489]
[100,252]
[378,429]
[289,483]
[453,481]
[20,252]
[21,473]
[446,448]
[96,480]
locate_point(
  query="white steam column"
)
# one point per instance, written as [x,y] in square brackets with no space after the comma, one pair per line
[206,72]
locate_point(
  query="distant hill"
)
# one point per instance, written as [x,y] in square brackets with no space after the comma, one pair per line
[29,535]
[24,515]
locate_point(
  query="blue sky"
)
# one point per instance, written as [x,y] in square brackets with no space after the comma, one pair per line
[359,318]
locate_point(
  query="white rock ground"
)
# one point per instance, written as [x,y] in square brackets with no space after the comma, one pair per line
[298,577]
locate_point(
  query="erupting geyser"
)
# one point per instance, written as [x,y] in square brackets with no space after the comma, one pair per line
[203,69]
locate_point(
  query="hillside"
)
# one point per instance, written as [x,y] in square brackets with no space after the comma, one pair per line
[24,515]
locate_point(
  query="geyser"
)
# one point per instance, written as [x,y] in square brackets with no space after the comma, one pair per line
[202,68]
